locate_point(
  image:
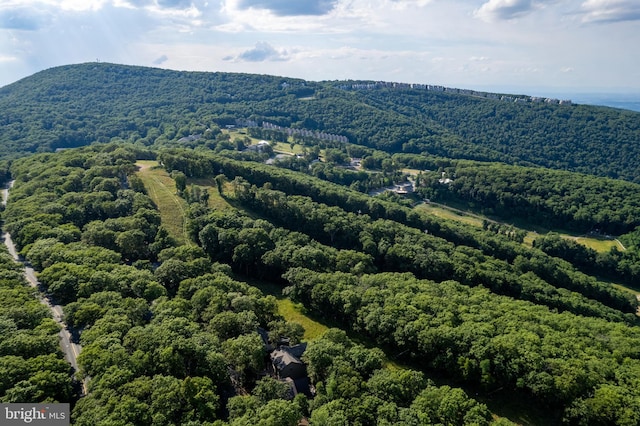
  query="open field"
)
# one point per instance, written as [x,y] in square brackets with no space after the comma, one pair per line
[292,311]
[413,172]
[279,147]
[447,213]
[285,148]
[162,190]
[600,244]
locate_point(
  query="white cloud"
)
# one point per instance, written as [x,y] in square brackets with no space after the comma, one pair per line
[496,10]
[337,17]
[404,4]
[610,10]
[287,7]
[79,5]
[238,20]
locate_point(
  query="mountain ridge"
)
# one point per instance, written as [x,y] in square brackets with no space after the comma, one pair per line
[76,105]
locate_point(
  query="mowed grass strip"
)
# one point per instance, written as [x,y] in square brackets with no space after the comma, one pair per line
[601,245]
[290,310]
[162,190]
[450,214]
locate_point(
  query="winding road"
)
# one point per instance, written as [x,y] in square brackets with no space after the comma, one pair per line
[71,350]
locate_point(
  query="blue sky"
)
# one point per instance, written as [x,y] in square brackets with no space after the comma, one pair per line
[523,46]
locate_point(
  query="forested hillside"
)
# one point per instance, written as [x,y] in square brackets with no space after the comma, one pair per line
[593,140]
[185,329]
[80,104]
[178,302]
[179,343]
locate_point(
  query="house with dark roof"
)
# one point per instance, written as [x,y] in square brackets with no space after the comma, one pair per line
[286,361]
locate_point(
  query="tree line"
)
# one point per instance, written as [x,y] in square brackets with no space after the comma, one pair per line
[571,201]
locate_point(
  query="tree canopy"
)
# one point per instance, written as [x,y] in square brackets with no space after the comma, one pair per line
[427,319]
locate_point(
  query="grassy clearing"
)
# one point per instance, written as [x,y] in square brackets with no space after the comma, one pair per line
[291,311]
[162,190]
[601,245]
[285,148]
[295,312]
[412,172]
[278,147]
[216,201]
[450,214]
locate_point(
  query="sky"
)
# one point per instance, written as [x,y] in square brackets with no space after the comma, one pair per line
[532,47]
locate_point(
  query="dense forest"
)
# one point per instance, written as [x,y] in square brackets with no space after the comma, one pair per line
[177,302]
[166,345]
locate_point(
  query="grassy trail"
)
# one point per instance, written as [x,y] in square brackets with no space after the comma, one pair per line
[162,190]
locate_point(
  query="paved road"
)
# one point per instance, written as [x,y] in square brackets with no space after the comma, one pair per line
[71,350]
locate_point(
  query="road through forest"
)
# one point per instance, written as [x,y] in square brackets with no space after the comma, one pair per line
[71,350]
